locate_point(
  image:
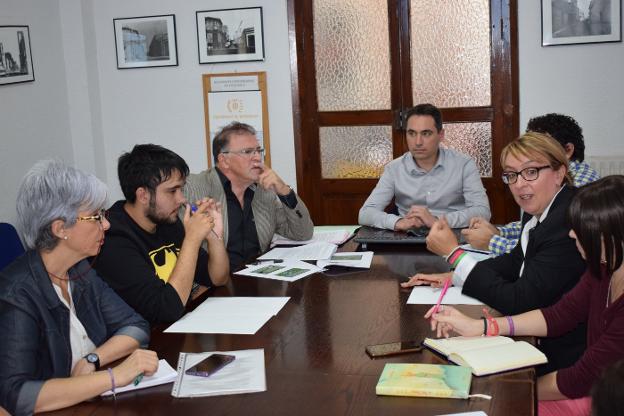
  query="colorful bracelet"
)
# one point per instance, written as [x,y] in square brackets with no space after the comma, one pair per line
[456,257]
[446,258]
[512,329]
[112,378]
[494,325]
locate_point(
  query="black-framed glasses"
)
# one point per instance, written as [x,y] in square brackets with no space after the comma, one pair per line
[248,153]
[102,213]
[528,174]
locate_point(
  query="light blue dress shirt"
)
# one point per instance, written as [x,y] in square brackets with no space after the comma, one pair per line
[452,187]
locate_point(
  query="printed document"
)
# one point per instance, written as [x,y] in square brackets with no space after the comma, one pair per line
[359,259]
[288,271]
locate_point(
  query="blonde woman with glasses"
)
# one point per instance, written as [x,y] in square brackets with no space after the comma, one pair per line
[544,265]
[61,325]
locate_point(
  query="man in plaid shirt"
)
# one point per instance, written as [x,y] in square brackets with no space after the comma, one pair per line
[565,130]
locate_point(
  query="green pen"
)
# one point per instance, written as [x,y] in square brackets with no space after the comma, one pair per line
[138,379]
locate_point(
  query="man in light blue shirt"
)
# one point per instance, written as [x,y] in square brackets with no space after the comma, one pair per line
[427,181]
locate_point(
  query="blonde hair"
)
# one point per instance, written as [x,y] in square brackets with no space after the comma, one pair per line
[539,146]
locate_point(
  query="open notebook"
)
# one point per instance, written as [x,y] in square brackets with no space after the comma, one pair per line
[487,355]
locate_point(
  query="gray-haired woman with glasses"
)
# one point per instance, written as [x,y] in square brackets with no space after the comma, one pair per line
[61,325]
[544,265]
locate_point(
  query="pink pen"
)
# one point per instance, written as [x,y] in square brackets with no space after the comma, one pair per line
[444,289]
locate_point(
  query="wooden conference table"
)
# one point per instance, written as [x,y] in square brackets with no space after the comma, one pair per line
[314,350]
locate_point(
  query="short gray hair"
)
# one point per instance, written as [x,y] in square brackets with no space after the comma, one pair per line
[52,190]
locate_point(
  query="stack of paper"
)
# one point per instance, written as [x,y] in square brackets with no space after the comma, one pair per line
[313,251]
[235,315]
[287,271]
[165,374]
[246,374]
[328,236]
[427,295]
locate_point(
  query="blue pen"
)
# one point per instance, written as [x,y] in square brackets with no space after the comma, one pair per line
[138,379]
[193,210]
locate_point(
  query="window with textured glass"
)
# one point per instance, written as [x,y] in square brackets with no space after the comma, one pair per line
[474,140]
[355,151]
[352,57]
[450,52]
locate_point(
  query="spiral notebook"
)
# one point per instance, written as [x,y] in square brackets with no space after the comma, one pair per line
[246,374]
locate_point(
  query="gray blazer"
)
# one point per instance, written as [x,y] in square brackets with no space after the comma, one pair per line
[270,215]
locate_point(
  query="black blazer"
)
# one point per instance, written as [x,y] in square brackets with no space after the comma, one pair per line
[552,266]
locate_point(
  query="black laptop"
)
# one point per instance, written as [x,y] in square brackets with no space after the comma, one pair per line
[370,235]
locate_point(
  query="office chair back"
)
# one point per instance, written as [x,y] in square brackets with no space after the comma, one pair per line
[10,244]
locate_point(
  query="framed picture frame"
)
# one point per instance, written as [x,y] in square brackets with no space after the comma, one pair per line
[16,63]
[566,22]
[230,35]
[146,42]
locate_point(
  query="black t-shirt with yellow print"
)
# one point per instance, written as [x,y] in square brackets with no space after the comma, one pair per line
[137,265]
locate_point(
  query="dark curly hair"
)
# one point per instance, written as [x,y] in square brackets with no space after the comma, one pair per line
[562,128]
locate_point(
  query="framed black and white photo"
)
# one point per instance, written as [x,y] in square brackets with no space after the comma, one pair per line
[230,35]
[143,42]
[566,22]
[15,56]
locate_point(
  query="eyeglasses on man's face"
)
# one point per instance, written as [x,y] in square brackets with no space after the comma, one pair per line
[528,174]
[102,213]
[248,153]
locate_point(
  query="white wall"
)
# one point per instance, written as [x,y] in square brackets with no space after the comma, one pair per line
[165,105]
[583,81]
[83,109]
[34,121]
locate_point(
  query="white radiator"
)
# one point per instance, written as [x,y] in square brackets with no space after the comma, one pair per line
[607,165]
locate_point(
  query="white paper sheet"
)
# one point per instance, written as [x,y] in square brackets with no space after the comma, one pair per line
[427,295]
[165,374]
[313,251]
[288,271]
[246,374]
[229,315]
[359,259]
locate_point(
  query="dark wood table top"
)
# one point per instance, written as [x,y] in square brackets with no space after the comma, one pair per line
[314,350]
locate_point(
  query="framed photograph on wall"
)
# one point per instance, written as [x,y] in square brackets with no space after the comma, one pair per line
[15,56]
[566,22]
[143,42]
[230,35]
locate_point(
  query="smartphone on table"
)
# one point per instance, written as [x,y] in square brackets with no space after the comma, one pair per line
[210,365]
[393,348]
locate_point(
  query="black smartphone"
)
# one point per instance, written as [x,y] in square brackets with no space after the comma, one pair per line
[210,365]
[393,348]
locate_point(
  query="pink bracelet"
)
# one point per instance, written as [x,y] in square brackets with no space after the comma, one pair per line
[512,329]
[110,373]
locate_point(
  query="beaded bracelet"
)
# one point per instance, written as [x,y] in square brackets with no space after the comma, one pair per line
[112,378]
[512,329]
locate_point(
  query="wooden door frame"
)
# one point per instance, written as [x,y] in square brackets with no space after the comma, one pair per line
[504,87]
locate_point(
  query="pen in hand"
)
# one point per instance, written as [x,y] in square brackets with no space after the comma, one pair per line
[193,210]
[444,289]
[138,379]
